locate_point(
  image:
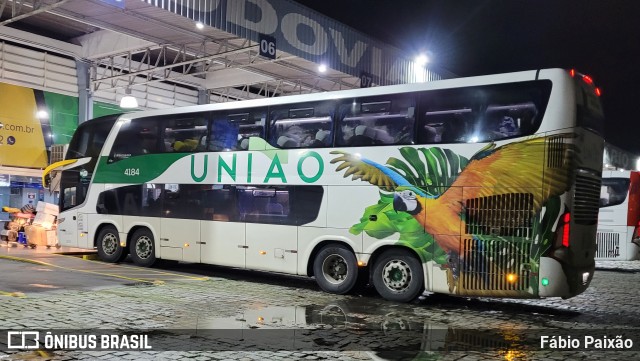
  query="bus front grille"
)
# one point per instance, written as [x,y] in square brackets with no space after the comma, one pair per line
[608,245]
[586,200]
[495,264]
[507,215]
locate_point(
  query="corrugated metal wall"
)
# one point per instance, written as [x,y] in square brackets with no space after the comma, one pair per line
[154,95]
[44,71]
[37,70]
[305,33]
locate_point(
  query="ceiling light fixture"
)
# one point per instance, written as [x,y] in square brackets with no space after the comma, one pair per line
[128,101]
[42,114]
[422,60]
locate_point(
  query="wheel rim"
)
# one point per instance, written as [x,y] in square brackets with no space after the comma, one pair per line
[144,247]
[335,269]
[109,244]
[396,275]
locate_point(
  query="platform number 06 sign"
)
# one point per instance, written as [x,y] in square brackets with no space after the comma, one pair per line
[267,46]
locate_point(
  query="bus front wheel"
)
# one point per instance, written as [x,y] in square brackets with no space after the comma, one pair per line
[108,244]
[142,248]
[398,275]
[336,269]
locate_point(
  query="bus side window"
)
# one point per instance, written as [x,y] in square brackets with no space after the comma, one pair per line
[223,135]
[383,120]
[305,126]
[509,120]
[231,132]
[265,205]
[184,134]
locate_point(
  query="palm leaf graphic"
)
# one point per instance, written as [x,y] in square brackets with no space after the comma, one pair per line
[431,169]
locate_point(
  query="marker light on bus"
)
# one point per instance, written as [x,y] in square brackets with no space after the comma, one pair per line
[262,253]
[512,277]
[565,229]
[636,235]
[598,92]
[544,281]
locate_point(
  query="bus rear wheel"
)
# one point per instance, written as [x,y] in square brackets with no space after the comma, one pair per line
[398,275]
[336,269]
[142,248]
[108,244]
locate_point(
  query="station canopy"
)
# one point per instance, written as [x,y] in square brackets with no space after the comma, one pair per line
[206,50]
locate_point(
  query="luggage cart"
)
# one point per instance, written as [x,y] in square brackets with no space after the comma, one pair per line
[52,239]
[15,229]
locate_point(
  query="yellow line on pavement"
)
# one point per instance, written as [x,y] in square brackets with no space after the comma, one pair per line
[12,294]
[18,259]
[145,269]
[170,273]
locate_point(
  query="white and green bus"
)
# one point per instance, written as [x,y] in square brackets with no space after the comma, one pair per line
[482,186]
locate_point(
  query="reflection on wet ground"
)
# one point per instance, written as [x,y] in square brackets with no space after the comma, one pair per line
[401,330]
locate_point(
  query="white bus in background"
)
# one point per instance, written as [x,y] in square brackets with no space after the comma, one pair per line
[619,218]
[483,186]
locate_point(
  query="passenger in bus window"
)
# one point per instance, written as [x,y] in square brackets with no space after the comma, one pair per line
[404,135]
[322,138]
[434,132]
[362,137]
[347,132]
[294,137]
[507,126]
[243,144]
[382,134]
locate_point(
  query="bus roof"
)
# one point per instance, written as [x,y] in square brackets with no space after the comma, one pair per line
[373,91]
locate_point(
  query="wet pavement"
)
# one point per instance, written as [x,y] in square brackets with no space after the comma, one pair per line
[71,263]
[212,313]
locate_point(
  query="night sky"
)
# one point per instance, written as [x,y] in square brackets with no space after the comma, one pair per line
[600,38]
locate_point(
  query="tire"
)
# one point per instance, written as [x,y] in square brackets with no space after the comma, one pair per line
[108,244]
[398,275]
[142,248]
[336,269]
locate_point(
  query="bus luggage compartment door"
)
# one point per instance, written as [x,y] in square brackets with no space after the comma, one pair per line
[272,247]
[180,239]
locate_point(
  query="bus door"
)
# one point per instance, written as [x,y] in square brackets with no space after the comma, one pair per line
[223,235]
[271,234]
[180,224]
[74,185]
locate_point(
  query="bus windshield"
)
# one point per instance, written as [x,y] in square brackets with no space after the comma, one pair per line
[90,136]
[613,191]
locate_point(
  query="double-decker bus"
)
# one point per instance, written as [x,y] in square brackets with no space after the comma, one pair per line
[480,186]
[618,235]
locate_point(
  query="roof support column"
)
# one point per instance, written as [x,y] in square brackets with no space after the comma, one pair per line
[85,97]
[203,96]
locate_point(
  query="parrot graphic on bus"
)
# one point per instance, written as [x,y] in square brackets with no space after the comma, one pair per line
[518,167]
